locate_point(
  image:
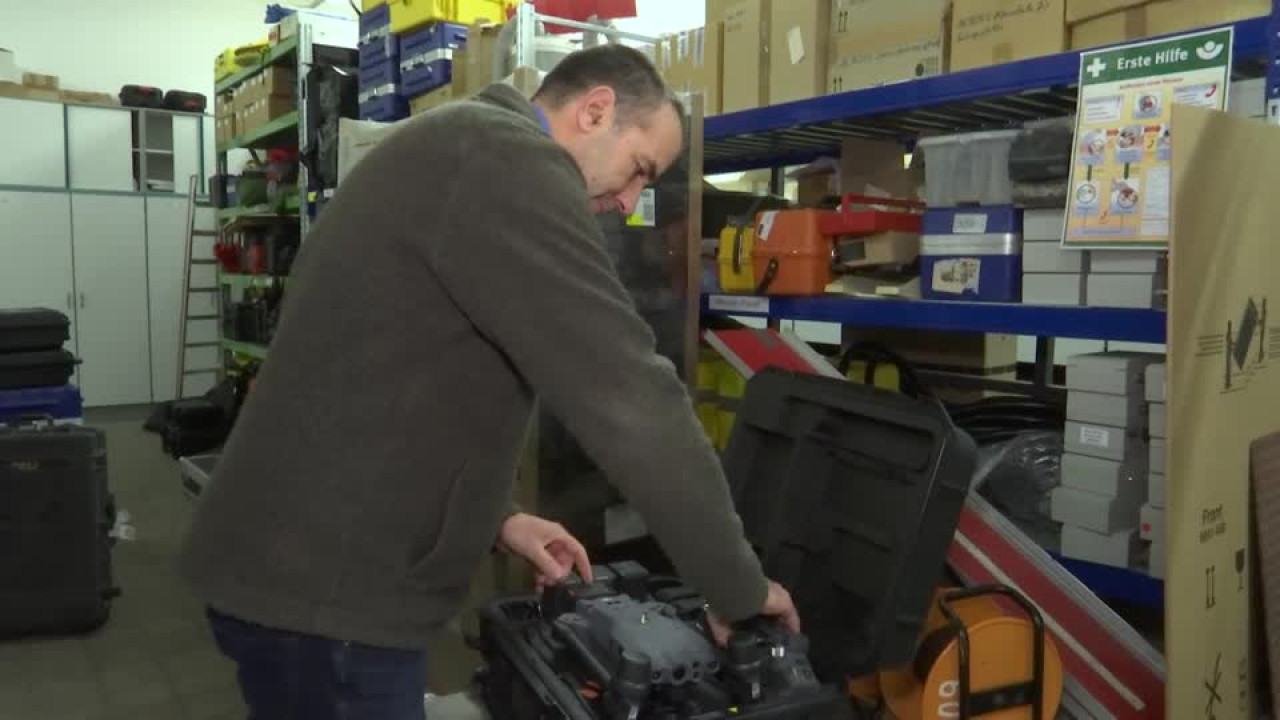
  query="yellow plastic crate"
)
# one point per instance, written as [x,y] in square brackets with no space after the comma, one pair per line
[410,14]
[709,416]
[743,277]
[367,5]
[224,65]
[885,377]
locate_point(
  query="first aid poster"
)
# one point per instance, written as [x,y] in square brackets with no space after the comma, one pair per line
[1121,189]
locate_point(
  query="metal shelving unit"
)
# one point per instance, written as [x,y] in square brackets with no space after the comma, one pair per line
[276,54]
[993,97]
[269,135]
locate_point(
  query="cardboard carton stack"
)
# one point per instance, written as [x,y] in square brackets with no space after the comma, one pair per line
[1104,22]
[1105,466]
[746,54]
[263,98]
[992,32]
[1151,528]
[1127,279]
[691,61]
[878,42]
[1051,274]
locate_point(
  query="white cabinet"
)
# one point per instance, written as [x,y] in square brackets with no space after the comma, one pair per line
[35,253]
[100,147]
[186,153]
[111,298]
[166,238]
[32,143]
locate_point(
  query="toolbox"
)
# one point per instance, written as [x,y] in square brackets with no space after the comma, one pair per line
[32,329]
[383,106]
[733,256]
[377,42]
[790,255]
[851,496]
[427,57]
[57,512]
[407,15]
[383,77]
[62,405]
[972,254]
[39,368]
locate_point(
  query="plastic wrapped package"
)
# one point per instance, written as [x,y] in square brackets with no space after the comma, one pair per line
[1040,163]
[1018,475]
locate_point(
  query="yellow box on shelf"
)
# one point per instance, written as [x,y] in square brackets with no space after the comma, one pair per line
[224,65]
[737,274]
[367,5]
[410,14]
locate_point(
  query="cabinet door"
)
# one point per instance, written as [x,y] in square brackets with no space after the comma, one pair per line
[186,153]
[32,144]
[100,143]
[35,253]
[109,241]
[166,238]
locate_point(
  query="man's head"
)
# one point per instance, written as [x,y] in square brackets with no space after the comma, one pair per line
[611,110]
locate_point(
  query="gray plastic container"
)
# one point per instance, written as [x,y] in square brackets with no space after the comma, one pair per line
[969,168]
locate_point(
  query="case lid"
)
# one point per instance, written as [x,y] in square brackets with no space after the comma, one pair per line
[29,318]
[851,494]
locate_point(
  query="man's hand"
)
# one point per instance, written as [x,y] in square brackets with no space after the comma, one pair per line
[552,551]
[777,605]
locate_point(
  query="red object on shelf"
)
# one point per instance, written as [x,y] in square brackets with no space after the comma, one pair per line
[863,215]
[228,256]
[256,260]
[583,10]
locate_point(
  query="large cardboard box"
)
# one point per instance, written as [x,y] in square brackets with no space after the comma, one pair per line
[691,61]
[991,32]
[746,55]
[14,90]
[473,64]
[1142,20]
[799,56]
[877,42]
[433,99]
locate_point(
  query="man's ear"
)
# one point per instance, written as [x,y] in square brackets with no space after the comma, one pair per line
[597,109]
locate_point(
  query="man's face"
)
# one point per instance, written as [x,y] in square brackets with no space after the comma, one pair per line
[618,161]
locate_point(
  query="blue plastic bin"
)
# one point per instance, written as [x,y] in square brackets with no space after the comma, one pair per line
[64,404]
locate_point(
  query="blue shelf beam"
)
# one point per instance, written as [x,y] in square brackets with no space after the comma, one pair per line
[997,96]
[1086,323]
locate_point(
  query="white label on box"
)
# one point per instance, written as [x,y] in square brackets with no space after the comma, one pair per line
[795,44]
[956,275]
[975,223]
[1095,436]
[739,304]
[646,212]
[766,225]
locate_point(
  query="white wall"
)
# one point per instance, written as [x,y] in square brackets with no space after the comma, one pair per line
[655,17]
[100,45]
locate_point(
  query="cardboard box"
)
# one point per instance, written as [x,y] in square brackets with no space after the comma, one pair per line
[1080,10]
[1138,20]
[1156,379]
[14,90]
[1137,291]
[89,98]
[473,64]
[691,61]
[1156,455]
[1116,549]
[875,168]
[263,111]
[1050,257]
[1043,225]
[1053,288]
[40,82]
[1124,446]
[1124,411]
[1155,490]
[433,99]
[799,56]
[877,42]
[275,81]
[1105,477]
[1137,262]
[746,55]
[975,354]
[992,32]
[1112,372]
[1157,420]
[1093,511]
[1157,559]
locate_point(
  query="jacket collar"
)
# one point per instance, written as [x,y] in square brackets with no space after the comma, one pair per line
[508,98]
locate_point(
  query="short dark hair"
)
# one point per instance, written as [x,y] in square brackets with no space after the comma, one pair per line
[634,79]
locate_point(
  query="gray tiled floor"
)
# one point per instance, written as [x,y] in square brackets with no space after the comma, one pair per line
[154,660]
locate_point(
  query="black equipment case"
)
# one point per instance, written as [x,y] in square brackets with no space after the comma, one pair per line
[56,515]
[183,101]
[41,368]
[141,96]
[32,329]
[849,493]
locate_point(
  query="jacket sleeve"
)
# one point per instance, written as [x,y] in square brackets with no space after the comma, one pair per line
[524,259]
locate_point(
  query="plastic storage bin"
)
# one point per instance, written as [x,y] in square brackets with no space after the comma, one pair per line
[427,57]
[388,107]
[63,404]
[377,43]
[733,256]
[972,254]
[968,168]
[790,255]
[380,78]
[407,15]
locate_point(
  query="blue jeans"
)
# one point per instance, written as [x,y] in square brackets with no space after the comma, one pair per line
[291,676]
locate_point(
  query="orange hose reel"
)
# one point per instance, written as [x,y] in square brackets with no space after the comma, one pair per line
[992,630]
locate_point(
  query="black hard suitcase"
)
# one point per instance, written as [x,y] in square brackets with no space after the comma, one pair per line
[56,514]
[184,101]
[25,329]
[179,441]
[849,493]
[141,96]
[41,368]
[197,413]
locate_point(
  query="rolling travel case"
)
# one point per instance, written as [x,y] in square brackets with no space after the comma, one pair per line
[56,514]
[849,493]
[24,329]
[39,368]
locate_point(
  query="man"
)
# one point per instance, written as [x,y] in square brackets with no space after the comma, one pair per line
[456,275]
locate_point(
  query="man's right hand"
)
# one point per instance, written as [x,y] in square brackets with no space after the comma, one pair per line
[777,605]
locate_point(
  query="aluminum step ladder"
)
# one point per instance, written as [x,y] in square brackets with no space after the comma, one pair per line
[185,318]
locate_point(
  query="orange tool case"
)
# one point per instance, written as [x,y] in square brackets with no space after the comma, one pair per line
[793,253]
